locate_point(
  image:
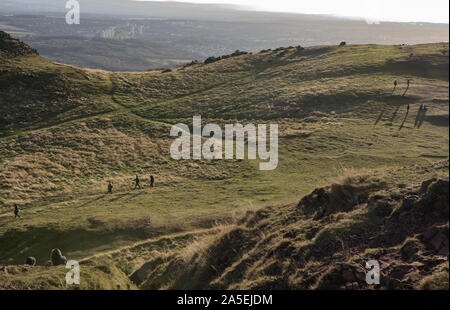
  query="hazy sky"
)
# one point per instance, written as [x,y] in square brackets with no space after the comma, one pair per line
[371,10]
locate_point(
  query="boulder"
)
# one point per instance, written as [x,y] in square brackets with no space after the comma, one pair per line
[438,241]
[425,185]
[31,261]
[348,275]
[409,250]
[57,258]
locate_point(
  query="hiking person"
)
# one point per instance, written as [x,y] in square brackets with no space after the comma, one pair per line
[137,182]
[110,187]
[408,83]
[16,211]
[152,181]
[419,115]
[395,86]
[422,116]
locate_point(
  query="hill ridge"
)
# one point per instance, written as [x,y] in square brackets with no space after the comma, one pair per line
[12,47]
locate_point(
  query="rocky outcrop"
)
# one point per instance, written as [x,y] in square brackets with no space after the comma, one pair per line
[12,47]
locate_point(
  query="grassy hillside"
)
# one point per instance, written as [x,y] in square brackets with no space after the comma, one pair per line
[65,132]
[321,242]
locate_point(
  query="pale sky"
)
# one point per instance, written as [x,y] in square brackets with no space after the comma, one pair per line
[370,10]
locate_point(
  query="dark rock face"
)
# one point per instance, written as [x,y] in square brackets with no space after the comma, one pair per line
[13,47]
[415,218]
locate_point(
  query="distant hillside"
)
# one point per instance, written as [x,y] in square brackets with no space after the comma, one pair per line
[125,35]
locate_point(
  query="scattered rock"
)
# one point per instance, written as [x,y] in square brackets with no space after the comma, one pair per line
[425,185]
[409,202]
[399,272]
[57,258]
[360,276]
[410,250]
[430,233]
[31,261]
[438,241]
[348,275]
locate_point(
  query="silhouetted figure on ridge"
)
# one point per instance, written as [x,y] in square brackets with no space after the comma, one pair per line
[110,187]
[152,181]
[16,211]
[408,83]
[395,86]
[379,117]
[419,115]
[404,120]
[394,115]
[422,117]
[137,182]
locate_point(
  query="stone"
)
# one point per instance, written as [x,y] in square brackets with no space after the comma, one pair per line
[360,276]
[31,261]
[348,276]
[437,241]
[425,185]
[444,251]
[441,205]
[408,202]
[430,233]
[57,258]
[409,250]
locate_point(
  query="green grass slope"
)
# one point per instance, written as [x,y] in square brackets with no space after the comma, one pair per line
[65,132]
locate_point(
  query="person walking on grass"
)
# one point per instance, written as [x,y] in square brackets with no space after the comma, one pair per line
[408,83]
[395,86]
[16,211]
[419,115]
[137,182]
[110,187]
[152,181]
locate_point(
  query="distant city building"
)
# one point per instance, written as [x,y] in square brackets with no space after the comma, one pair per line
[108,34]
[136,30]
